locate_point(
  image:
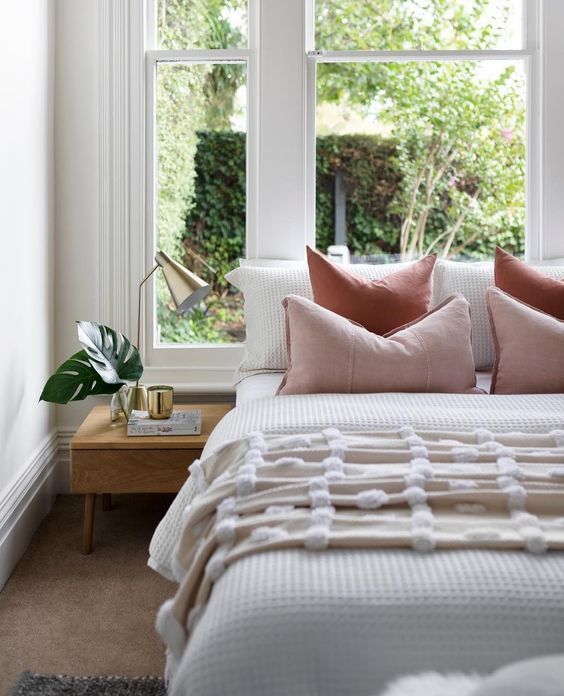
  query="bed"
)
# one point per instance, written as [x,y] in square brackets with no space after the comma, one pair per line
[294,622]
[297,622]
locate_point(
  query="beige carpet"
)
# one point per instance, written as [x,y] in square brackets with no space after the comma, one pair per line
[62,612]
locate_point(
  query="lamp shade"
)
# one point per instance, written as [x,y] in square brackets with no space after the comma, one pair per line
[185,287]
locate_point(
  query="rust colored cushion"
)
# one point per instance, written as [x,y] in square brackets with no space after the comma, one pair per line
[529,285]
[378,305]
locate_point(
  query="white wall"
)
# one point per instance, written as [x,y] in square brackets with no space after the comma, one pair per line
[26,231]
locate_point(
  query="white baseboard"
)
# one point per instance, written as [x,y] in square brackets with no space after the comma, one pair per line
[26,502]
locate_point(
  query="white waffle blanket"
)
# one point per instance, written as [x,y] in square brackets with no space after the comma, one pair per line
[346,621]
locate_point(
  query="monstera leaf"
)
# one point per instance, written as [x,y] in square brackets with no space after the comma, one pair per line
[110,353]
[74,380]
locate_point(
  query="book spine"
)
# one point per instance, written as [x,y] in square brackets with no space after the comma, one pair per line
[154,430]
[182,431]
[141,430]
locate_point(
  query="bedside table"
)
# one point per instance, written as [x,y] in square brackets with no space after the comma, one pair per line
[105,460]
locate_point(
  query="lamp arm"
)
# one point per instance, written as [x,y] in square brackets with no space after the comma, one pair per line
[145,279]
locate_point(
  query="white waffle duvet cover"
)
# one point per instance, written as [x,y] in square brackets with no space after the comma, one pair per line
[345,623]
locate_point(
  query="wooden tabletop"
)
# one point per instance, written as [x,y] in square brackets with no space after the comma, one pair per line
[97,431]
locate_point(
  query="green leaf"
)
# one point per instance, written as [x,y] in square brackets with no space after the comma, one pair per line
[74,380]
[110,353]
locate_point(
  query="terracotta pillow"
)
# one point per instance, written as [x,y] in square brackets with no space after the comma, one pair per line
[379,305]
[330,354]
[528,285]
[529,347]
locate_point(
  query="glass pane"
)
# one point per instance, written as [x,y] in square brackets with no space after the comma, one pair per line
[395,25]
[201,145]
[421,157]
[187,24]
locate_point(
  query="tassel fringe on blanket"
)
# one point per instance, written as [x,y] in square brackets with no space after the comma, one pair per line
[424,491]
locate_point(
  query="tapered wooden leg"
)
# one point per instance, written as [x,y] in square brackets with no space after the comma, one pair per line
[88,530]
[106,502]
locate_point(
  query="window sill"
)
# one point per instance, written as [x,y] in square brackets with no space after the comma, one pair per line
[193,380]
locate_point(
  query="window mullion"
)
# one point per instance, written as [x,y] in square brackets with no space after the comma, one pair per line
[408,56]
[282,131]
[199,55]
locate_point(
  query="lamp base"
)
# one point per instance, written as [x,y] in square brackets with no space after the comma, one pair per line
[137,398]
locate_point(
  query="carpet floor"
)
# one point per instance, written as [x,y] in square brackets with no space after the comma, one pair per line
[65,613]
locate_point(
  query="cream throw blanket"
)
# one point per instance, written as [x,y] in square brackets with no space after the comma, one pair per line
[330,489]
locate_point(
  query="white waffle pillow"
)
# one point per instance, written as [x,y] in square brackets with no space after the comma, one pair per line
[264,288]
[472,281]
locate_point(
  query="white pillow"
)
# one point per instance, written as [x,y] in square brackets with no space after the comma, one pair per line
[271,263]
[264,289]
[472,280]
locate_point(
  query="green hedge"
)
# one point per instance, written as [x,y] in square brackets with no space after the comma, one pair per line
[371,181]
[215,224]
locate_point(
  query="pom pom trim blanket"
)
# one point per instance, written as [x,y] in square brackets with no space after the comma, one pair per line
[393,489]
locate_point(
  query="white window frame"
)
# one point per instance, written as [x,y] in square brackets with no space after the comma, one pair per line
[192,363]
[281,155]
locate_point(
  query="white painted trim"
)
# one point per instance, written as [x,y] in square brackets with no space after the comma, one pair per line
[415,56]
[310,149]
[114,180]
[199,55]
[138,28]
[310,103]
[193,379]
[552,21]
[26,501]
[535,195]
[253,132]
[282,117]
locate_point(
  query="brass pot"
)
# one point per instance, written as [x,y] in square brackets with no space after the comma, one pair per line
[160,401]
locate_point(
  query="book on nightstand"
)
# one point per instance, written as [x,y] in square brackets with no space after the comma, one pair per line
[180,423]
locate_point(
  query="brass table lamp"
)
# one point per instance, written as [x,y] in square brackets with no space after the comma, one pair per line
[186,290]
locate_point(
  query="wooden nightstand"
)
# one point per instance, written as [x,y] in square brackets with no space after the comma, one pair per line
[105,460]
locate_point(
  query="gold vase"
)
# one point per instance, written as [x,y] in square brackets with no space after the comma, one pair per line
[136,398]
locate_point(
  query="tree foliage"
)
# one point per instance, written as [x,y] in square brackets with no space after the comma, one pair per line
[190,97]
[459,131]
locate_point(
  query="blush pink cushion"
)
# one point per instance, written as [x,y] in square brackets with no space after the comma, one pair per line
[529,347]
[379,305]
[330,354]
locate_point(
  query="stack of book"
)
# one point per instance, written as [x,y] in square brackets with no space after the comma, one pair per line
[180,423]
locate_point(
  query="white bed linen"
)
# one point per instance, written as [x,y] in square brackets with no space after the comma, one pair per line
[261,386]
[298,623]
[258,387]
